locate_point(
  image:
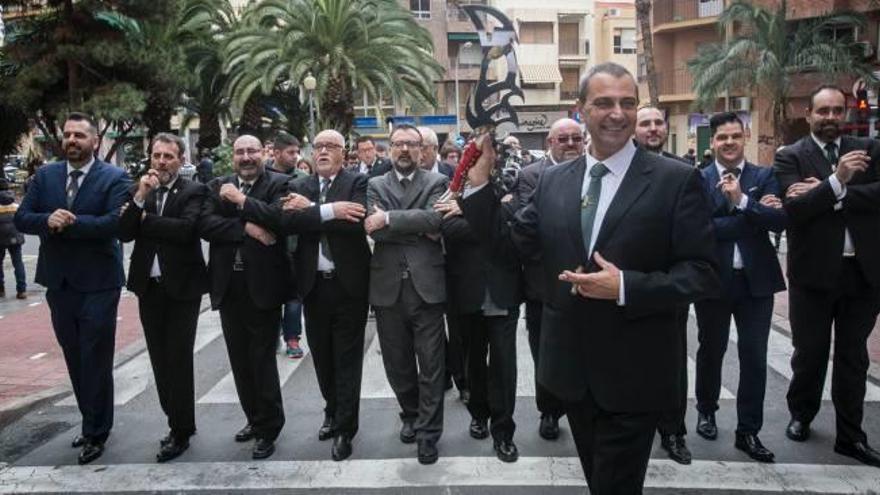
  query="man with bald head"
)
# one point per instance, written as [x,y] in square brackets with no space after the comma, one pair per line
[250,281]
[332,263]
[430,153]
[565,142]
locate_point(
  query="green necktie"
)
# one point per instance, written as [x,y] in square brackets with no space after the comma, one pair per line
[591,203]
[831,154]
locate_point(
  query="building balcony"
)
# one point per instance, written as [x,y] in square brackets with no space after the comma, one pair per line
[572,49]
[675,85]
[682,14]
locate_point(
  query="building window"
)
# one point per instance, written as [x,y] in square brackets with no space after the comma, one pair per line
[536,32]
[569,34]
[568,88]
[625,40]
[421,9]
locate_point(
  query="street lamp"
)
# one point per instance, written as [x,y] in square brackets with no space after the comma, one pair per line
[457,105]
[310,83]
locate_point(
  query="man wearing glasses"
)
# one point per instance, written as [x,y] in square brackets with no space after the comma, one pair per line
[408,288]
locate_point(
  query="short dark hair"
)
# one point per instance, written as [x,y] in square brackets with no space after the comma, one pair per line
[610,68]
[822,87]
[83,117]
[403,127]
[167,137]
[721,118]
[285,140]
[363,139]
[447,149]
[381,147]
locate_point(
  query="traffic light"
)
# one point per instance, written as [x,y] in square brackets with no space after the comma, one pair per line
[863,112]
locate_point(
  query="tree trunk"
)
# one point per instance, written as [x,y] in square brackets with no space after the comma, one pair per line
[643,17]
[73,99]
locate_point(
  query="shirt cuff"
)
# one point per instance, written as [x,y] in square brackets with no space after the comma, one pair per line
[327,212]
[139,204]
[836,186]
[387,219]
[468,190]
[621,293]
[743,202]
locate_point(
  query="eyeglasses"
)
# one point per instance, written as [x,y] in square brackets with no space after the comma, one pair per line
[408,144]
[576,139]
[329,146]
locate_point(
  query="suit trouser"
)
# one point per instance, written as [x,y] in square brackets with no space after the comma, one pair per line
[852,308]
[547,403]
[456,351]
[85,326]
[672,421]
[335,324]
[752,316]
[613,447]
[493,383]
[170,331]
[411,329]
[251,336]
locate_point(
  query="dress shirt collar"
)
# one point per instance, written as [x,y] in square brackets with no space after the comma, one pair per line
[618,163]
[721,168]
[173,181]
[821,144]
[241,182]
[84,169]
[400,176]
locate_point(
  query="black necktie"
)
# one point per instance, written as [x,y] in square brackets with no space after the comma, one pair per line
[831,154]
[73,187]
[405,182]
[245,188]
[161,195]
[733,171]
[238,264]
[325,244]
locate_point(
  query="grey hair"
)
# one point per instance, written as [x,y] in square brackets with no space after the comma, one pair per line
[429,137]
[615,70]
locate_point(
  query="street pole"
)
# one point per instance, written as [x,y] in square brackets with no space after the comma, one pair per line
[310,83]
[457,104]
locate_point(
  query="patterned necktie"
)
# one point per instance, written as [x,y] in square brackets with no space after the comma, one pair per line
[161,195]
[245,188]
[73,187]
[238,263]
[325,244]
[591,203]
[831,154]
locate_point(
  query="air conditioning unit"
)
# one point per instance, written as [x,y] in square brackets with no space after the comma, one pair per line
[741,104]
[613,12]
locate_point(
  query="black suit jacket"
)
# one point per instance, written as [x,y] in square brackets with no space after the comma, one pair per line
[266,268]
[816,225]
[657,231]
[172,237]
[524,187]
[380,166]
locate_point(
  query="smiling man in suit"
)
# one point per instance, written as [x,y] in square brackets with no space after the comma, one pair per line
[250,281]
[625,239]
[167,273]
[74,207]
[832,196]
[745,208]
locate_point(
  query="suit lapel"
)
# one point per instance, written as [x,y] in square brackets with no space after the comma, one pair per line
[816,158]
[412,191]
[61,181]
[335,186]
[87,184]
[631,187]
[712,178]
[572,184]
[171,196]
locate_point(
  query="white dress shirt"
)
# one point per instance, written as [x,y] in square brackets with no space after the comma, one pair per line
[324,264]
[84,169]
[743,203]
[839,192]
[155,270]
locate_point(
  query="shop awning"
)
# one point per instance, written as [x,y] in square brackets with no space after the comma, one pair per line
[540,74]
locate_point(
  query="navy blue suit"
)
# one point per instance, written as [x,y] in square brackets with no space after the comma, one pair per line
[81,268]
[746,294]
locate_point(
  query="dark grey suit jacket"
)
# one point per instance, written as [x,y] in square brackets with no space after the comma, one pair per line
[405,243]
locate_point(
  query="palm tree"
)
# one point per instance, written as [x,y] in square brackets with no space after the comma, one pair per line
[767,52]
[373,45]
[643,17]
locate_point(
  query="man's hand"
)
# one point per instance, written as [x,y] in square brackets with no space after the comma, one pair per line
[447,208]
[604,284]
[259,233]
[771,200]
[479,173]
[229,192]
[147,183]
[730,188]
[59,219]
[295,202]
[850,163]
[376,220]
[348,211]
[801,188]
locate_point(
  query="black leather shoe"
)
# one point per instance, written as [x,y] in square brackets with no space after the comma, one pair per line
[171,449]
[407,433]
[798,431]
[78,441]
[464,396]
[549,428]
[428,452]
[751,445]
[675,446]
[245,434]
[90,451]
[327,430]
[263,448]
[859,451]
[341,448]
[165,440]
[506,450]
[706,427]
[478,429]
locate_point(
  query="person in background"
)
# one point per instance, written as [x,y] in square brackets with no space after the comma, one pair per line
[205,169]
[708,159]
[450,155]
[11,240]
[306,165]
[381,151]
[351,161]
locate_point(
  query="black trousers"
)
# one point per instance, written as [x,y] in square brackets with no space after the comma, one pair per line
[335,325]
[492,370]
[852,308]
[614,447]
[456,351]
[672,421]
[85,326]
[251,336]
[412,329]
[547,403]
[170,331]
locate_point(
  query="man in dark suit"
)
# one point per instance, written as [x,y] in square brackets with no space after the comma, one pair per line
[431,154]
[332,263]
[745,208]
[168,274]
[832,196]
[408,288]
[74,207]
[610,343]
[368,163]
[250,280]
[651,133]
[565,143]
